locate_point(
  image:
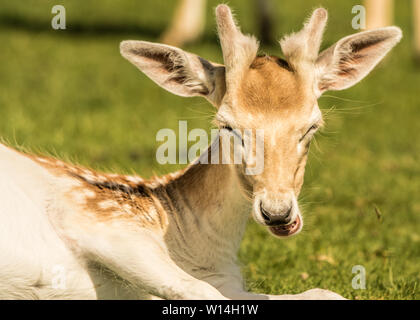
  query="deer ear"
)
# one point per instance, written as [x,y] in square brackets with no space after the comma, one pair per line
[177,71]
[352,58]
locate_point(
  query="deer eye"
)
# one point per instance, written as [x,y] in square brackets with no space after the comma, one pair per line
[235,132]
[313,128]
[227,127]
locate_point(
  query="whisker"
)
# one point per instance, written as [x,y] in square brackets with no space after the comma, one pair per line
[213,112]
[350,109]
[317,145]
[340,98]
[204,117]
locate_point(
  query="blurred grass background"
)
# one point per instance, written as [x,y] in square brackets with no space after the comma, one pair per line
[69,92]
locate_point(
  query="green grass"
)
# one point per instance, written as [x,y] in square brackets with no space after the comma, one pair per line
[69,92]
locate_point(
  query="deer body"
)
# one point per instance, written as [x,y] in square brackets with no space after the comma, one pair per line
[50,200]
[70,232]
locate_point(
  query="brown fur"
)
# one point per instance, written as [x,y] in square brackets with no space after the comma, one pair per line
[269,86]
[110,196]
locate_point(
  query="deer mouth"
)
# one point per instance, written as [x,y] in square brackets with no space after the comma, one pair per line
[290,229]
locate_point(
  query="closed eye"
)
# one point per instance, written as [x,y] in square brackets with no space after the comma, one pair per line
[312,129]
[227,127]
[236,132]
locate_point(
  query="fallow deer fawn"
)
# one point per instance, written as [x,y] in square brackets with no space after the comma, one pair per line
[176,237]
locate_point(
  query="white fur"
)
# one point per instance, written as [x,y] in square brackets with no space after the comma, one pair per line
[39,234]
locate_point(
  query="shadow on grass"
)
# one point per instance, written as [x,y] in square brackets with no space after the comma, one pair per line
[33,25]
[81,29]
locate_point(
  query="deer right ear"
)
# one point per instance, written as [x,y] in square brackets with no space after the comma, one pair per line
[177,71]
[353,57]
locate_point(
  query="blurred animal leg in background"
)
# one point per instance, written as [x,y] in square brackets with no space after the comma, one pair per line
[379,13]
[416,12]
[187,23]
[189,19]
[265,10]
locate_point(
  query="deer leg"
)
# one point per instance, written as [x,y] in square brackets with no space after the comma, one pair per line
[141,259]
[379,13]
[416,12]
[187,23]
[313,294]
[236,292]
[264,10]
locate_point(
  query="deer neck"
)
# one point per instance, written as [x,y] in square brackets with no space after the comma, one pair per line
[209,205]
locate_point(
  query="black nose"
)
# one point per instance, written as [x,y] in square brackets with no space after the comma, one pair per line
[276,218]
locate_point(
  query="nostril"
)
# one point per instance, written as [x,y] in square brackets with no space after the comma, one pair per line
[265,214]
[287,216]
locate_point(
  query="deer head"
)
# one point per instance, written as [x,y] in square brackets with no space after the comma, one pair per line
[270,93]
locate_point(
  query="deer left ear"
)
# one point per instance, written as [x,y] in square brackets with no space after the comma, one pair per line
[177,71]
[352,58]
